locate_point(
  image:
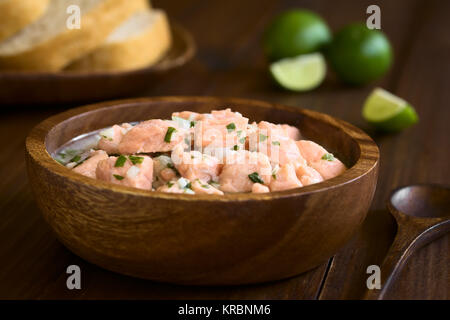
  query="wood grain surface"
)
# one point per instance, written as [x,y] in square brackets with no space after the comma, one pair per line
[229,62]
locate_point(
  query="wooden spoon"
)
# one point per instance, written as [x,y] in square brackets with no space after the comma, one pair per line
[422,213]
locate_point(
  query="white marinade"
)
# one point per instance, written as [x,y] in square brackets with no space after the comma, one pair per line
[197,153]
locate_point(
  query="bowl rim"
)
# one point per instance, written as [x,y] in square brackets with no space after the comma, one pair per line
[36,148]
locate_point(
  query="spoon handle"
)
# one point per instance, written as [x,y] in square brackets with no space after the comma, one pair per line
[406,241]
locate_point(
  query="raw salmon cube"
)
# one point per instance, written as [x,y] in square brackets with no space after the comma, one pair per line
[133,171]
[220,129]
[88,167]
[152,136]
[292,132]
[318,158]
[329,169]
[285,178]
[307,175]
[260,188]
[195,165]
[244,168]
[111,137]
[274,141]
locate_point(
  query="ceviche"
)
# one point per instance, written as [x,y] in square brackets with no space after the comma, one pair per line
[210,153]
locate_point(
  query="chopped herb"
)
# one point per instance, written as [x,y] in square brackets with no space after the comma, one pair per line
[328,157]
[242,140]
[118,177]
[274,176]
[136,160]
[255,178]
[188,186]
[205,186]
[276,143]
[60,161]
[170,184]
[105,137]
[239,132]
[262,137]
[236,147]
[192,124]
[76,158]
[231,127]
[62,155]
[192,157]
[120,161]
[168,136]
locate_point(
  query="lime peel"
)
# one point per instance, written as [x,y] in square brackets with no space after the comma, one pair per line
[388,112]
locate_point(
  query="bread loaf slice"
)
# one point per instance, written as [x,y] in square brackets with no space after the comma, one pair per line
[138,42]
[47,44]
[16,14]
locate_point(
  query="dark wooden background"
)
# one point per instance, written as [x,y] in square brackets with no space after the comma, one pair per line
[229,62]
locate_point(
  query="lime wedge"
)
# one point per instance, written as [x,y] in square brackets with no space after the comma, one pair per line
[301,73]
[388,112]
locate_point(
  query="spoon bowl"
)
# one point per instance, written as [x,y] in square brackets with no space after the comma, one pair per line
[422,215]
[421,201]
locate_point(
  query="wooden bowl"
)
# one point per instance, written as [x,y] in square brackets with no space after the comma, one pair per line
[23,87]
[202,239]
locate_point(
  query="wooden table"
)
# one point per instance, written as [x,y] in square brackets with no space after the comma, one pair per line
[230,63]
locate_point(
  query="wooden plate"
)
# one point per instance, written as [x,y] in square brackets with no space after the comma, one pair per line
[74,87]
[202,239]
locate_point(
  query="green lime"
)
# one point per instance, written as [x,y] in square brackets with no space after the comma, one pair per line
[301,73]
[388,112]
[295,32]
[359,55]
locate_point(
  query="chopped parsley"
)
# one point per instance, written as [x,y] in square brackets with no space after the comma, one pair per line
[239,132]
[188,186]
[255,178]
[136,159]
[105,137]
[231,127]
[236,147]
[328,157]
[170,184]
[170,165]
[168,136]
[242,140]
[274,176]
[192,124]
[262,137]
[76,158]
[118,177]
[205,186]
[120,161]
[276,143]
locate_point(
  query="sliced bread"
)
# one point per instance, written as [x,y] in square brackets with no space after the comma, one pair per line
[48,44]
[138,42]
[16,14]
